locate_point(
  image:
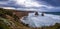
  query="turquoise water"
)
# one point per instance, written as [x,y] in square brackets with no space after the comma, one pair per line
[55,13]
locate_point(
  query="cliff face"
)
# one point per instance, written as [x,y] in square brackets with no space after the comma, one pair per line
[12,17]
[20,14]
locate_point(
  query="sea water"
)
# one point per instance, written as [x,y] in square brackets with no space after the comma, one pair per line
[48,19]
[55,13]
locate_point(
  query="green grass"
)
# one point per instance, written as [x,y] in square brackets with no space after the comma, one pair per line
[3,25]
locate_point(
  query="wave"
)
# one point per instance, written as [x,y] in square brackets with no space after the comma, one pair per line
[38,21]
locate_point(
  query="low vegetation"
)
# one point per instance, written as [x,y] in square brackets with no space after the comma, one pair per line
[3,25]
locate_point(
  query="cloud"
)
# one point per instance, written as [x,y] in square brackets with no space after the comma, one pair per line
[52,2]
[3,0]
[8,7]
[29,5]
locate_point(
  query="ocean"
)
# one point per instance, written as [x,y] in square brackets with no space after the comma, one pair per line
[49,19]
[54,13]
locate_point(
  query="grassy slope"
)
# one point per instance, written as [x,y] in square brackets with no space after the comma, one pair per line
[2,24]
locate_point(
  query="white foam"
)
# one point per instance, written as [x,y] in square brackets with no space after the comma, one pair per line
[38,21]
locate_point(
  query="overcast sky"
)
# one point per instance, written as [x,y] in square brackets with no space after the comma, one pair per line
[32,5]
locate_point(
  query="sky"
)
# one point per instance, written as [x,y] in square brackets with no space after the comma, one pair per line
[32,5]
